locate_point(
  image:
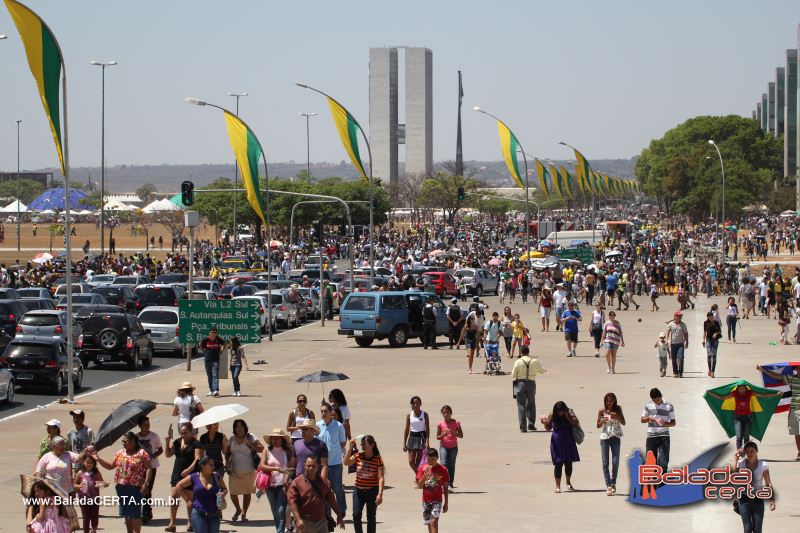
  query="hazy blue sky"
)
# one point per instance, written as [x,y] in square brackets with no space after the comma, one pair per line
[605,76]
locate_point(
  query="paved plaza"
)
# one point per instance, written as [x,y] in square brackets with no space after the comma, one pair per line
[504,478]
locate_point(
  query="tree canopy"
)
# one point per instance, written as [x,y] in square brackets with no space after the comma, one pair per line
[682,170]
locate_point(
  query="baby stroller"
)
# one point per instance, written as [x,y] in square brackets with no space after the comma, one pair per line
[494,365]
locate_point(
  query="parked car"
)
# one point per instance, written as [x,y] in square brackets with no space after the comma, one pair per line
[313,261]
[444,283]
[379,271]
[7,293]
[285,312]
[42,362]
[98,280]
[264,276]
[233,264]
[263,314]
[43,324]
[243,290]
[487,283]
[79,300]
[114,337]
[11,312]
[32,304]
[311,296]
[7,385]
[368,316]
[206,285]
[264,285]
[34,293]
[162,321]
[234,278]
[151,294]
[172,277]
[77,288]
[121,295]
[133,281]
[205,295]
[83,313]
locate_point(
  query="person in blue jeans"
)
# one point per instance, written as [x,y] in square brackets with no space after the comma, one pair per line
[332,433]
[448,431]
[751,510]
[278,460]
[204,486]
[237,358]
[611,420]
[211,347]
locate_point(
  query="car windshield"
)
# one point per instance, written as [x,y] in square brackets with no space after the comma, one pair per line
[31,305]
[156,295]
[126,280]
[29,293]
[39,320]
[202,285]
[360,303]
[78,299]
[158,317]
[172,278]
[233,264]
[74,288]
[29,350]
[103,278]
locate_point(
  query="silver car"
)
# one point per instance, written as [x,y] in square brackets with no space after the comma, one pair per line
[102,279]
[311,296]
[162,321]
[285,312]
[34,293]
[43,323]
[7,386]
[486,282]
[263,314]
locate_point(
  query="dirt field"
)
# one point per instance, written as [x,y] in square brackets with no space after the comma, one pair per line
[125,242]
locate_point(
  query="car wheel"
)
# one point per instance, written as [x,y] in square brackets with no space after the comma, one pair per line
[61,385]
[85,361]
[479,290]
[10,392]
[365,342]
[398,337]
[108,339]
[133,362]
[78,380]
[147,363]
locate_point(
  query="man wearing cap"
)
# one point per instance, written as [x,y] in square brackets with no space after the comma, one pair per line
[569,321]
[524,382]
[332,433]
[663,353]
[454,318]
[82,436]
[310,446]
[429,326]
[678,339]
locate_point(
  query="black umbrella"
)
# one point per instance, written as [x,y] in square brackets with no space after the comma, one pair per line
[120,421]
[321,377]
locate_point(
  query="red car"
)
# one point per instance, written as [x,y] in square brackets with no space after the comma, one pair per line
[444,283]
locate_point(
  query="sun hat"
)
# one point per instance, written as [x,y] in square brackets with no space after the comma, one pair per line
[662,335]
[77,412]
[278,432]
[186,385]
[308,424]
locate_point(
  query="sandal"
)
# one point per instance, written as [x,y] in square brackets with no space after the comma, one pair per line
[609,492]
[558,491]
[171,529]
[570,488]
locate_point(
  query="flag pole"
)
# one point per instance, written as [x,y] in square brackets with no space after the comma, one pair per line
[67,242]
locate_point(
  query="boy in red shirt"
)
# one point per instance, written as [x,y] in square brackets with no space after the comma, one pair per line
[432,478]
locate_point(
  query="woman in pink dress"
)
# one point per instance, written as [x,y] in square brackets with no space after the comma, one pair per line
[48,517]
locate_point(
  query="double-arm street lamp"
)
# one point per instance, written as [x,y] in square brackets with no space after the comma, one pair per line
[103,66]
[236,175]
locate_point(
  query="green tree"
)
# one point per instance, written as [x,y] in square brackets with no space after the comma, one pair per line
[145,192]
[440,191]
[682,171]
[497,207]
[28,189]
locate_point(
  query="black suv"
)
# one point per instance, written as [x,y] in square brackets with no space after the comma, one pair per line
[114,337]
[152,294]
[42,362]
[10,313]
[121,295]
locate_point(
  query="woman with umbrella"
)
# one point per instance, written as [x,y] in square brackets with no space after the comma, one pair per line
[132,473]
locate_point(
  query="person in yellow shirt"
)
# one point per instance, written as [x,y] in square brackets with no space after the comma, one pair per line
[517,332]
[524,382]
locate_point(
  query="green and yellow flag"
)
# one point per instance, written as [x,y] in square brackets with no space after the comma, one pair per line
[348,127]
[541,172]
[558,185]
[508,146]
[585,173]
[247,151]
[566,179]
[46,63]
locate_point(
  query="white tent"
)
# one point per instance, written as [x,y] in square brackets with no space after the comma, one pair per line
[160,205]
[12,207]
[117,205]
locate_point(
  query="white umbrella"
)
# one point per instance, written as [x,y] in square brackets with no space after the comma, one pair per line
[42,257]
[218,413]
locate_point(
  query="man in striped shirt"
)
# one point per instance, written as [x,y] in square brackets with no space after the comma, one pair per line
[793,380]
[659,417]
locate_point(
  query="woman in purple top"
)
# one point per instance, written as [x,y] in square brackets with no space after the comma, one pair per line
[563,449]
[203,487]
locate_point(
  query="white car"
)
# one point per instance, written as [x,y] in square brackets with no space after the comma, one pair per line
[162,321]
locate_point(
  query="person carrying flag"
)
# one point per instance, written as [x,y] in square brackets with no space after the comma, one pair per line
[793,381]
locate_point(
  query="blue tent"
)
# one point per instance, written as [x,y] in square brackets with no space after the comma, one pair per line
[54,199]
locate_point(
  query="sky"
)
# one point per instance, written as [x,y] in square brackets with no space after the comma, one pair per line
[606,77]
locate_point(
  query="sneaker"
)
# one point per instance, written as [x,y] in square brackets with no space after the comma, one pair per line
[569,354]
[216,394]
[210,393]
[597,354]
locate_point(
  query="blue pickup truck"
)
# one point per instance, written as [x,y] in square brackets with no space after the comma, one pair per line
[392,315]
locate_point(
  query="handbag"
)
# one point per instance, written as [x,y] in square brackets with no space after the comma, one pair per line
[262,479]
[578,434]
[352,468]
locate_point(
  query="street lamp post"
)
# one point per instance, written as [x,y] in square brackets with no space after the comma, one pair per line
[236,174]
[18,208]
[103,151]
[308,142]
[371,190]
[591,189]
[722,166]
[527,189]
[196,101]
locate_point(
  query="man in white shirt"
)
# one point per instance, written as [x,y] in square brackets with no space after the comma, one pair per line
[560,301]
[659,417]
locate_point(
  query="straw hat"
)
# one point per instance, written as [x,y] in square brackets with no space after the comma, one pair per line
[186,385]
[309,424]
[278,432]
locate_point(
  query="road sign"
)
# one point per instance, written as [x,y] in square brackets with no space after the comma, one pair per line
[240,318]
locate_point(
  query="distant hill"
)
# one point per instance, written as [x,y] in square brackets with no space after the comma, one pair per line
[167,178]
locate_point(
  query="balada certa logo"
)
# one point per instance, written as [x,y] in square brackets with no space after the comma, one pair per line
[691,483]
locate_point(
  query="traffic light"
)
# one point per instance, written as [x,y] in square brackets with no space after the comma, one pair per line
[187,193]
[461,194]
